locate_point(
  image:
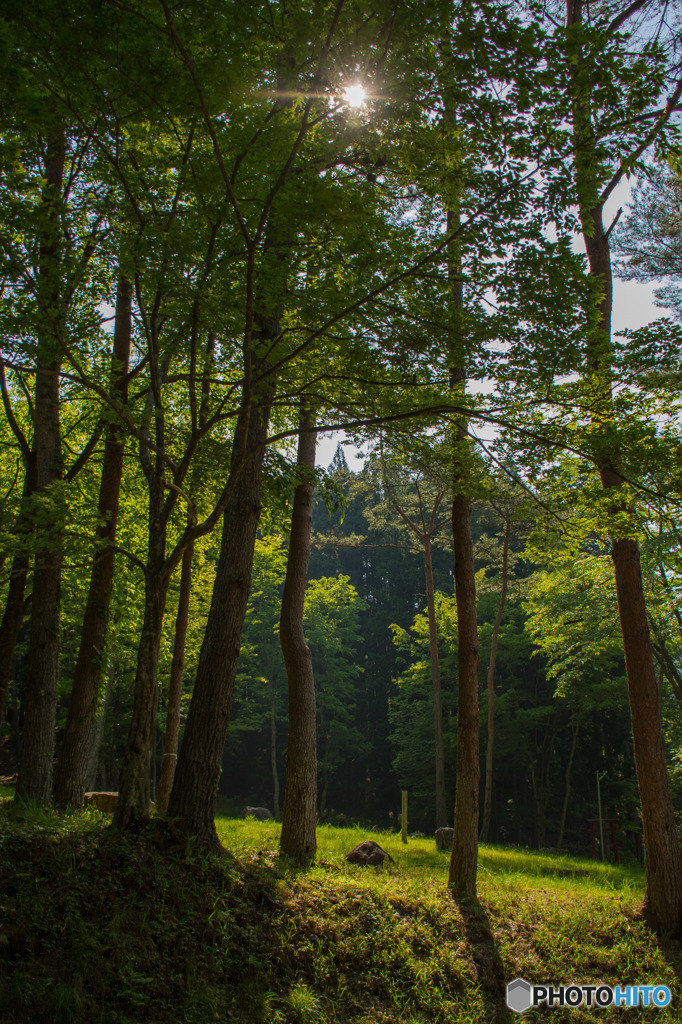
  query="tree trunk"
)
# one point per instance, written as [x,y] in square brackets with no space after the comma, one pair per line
[72,767]
[15,606]
[464,857]
[442,819]
[198,770]
[134,783]
[567,794]
[663,864]
[170,743]
[298,839]
[273,752]
[11,622]
[98,733]
[488,798]
[34,776]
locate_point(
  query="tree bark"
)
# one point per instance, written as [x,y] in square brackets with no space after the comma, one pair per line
[34,776]
[197,775]
[15,605]
[298,838]
[464,857]
[72,767]
[134,783]
[170,742]
[98,732]
[490,749]
[663,863]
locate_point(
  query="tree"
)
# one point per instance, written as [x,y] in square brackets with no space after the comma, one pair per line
[595,180]
[72,766]
[298,840]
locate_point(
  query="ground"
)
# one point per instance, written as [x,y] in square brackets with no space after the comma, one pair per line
[126,929]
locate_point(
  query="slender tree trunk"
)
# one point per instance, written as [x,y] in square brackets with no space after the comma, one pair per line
[464,857]
[134,782]
[72,767]
[442,818]
[298,839]
[11,622]
[170,743]
[34,777]
[273,751]
[567,793]
[197,775]
[98,731]
[663,863]
[488,798]
[15,606]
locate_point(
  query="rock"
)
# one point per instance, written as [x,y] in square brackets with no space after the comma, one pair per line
[261,813]
[368,852]
[444,837]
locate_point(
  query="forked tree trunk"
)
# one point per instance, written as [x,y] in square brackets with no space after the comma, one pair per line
[663,864]
[34,776]
[490,749]
[170,740]
[72,767]
[197,774]
[298,838]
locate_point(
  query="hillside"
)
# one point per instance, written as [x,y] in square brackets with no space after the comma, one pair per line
[109,928]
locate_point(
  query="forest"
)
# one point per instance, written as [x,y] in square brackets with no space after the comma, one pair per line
[232,235]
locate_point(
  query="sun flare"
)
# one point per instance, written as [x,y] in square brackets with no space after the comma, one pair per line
[355,95]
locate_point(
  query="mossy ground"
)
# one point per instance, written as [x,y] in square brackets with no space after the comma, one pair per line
[105,928]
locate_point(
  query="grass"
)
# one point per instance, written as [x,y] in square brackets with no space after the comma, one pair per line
[128,929]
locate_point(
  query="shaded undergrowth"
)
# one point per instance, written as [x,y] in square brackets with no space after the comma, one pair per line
[104,927]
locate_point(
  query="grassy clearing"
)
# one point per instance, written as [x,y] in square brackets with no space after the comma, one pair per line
[110,929]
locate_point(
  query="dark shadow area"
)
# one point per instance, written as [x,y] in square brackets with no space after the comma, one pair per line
[672,951]
[486,957]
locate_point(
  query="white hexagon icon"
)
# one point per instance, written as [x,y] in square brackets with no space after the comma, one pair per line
[519,995]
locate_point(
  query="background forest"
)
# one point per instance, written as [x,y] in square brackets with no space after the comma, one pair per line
[226,229]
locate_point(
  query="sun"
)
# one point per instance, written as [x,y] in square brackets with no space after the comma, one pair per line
[355,95]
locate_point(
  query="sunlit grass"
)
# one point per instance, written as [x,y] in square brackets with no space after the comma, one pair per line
[115,928]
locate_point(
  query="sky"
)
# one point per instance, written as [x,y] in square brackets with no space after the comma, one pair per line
[633,307]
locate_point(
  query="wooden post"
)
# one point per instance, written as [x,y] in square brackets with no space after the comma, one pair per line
[403,817]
